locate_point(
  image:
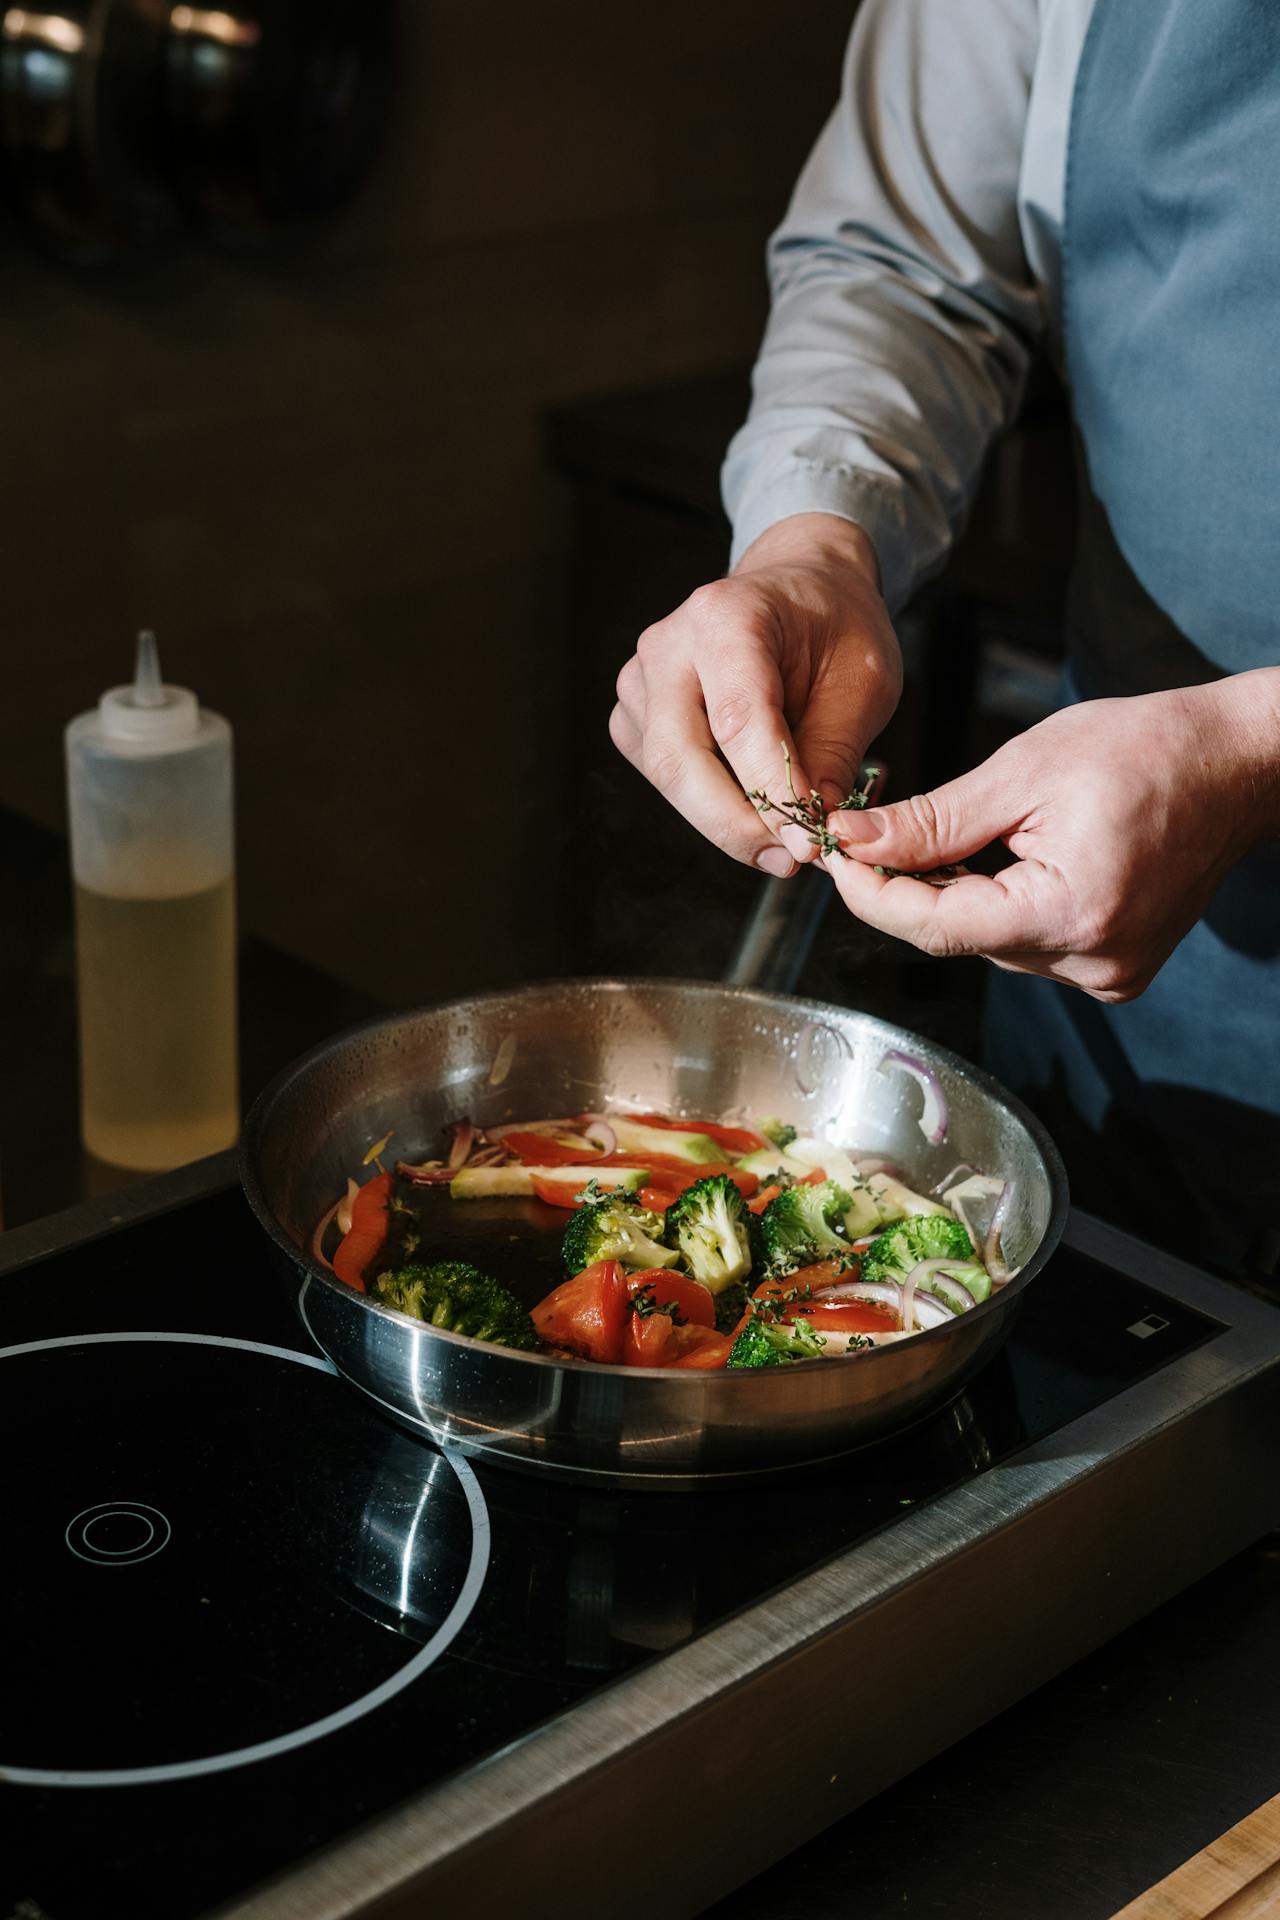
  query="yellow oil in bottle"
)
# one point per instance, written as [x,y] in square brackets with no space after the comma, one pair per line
[157,1005]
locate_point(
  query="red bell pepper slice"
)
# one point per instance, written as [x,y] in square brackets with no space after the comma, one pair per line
[566,1193]
[540,1150]
[676,1179]
[370,1223]
[587,1314]
[762,1199]
[732,1139]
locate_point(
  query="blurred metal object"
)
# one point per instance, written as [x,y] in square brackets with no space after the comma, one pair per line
[779,936]
[79,125]
[117,116]
[649,1044]
[274,109]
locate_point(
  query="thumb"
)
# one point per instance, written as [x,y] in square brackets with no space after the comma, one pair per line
[931,829]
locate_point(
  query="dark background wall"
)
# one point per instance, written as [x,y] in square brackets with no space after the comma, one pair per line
[319,472]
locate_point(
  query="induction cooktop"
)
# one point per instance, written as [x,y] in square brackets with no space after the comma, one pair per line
[264,1653]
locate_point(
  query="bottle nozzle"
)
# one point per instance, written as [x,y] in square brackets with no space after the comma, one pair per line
[148,715]
[148,687]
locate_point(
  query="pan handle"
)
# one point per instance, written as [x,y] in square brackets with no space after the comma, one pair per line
[777,939]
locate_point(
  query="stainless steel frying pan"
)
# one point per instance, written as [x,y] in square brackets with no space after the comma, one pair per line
[686,1048]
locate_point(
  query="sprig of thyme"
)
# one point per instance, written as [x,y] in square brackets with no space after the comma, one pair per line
[811,815]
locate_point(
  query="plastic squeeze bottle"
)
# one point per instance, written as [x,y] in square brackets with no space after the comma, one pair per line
[153,861]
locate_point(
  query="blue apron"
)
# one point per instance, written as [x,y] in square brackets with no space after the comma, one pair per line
[1172,321]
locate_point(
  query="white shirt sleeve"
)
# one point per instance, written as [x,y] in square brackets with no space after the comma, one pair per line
[904,307]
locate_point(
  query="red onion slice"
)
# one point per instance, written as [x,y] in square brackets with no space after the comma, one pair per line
[933,1114]
[953,1291]
[963,1170]
[600,1133]
[992,1252]
[929,1313]
[529,1126]
[345,1205]
[464,1134]
[866,1166]
[429,1173]
[913,1298]
[318,1235]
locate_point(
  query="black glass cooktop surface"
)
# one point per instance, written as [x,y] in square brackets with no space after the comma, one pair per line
[241,1612]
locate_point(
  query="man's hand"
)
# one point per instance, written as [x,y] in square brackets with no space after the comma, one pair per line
[794,646]
[1123,815]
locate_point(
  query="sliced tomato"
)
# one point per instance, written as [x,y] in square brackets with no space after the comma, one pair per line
[646,1340]
[844,1316]
[698,1347]
[587,1314]
[676,1179]
[367,1234]
[657,1199]
[732,1139]
[693,1301]
[762,1199]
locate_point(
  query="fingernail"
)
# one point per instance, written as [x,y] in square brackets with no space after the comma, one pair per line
[797,842]
[855,829]
[775,860]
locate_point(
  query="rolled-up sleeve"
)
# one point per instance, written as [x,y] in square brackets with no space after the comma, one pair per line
[904,310]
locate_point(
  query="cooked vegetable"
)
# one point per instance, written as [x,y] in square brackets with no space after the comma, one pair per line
[893,1254]
[588,1314]
[771,1162]
[370,1224]
[665,1291]
[933,1113]
[878,1200]
[487,1183]
[779,1133]
[708,1225]
[673,1143]
[616,1228]
[730,1304]
[730,1140]
[769,1343]
[801,1224]
[459,1298]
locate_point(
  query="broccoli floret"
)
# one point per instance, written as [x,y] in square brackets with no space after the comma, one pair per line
[779,1133]
[707,1224]
[799,1226]
[615,1228]
[770,1343]
[927,1236]
[461,1299]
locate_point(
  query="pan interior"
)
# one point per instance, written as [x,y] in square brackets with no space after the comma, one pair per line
[685,1049]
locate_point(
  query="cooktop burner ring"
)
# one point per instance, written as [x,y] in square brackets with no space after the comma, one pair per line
[146,1544]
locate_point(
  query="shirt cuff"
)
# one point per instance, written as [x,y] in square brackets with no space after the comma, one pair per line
[871,501]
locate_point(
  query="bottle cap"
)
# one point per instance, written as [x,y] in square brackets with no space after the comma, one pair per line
[148,713]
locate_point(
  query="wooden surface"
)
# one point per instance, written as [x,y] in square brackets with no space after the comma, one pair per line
[1236,1877]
